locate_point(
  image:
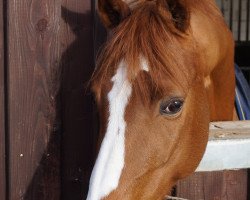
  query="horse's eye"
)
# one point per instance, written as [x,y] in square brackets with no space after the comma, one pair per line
[171,107]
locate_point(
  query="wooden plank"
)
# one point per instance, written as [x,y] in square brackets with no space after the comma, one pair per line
[33,74]
[77,35]
[2,109]
[228,147]
[223,185]
[226,155]
[229,125]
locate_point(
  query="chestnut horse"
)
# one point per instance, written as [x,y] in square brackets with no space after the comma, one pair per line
[165,72]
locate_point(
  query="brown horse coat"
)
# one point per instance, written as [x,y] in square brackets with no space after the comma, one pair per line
[165,72]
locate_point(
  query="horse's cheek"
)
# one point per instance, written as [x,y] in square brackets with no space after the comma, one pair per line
[194,134]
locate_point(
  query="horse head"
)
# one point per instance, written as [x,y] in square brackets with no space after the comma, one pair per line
[152,100]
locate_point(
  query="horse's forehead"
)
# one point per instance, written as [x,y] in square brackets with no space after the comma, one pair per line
[144,81]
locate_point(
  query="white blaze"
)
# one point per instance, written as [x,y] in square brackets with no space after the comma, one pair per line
[110,162]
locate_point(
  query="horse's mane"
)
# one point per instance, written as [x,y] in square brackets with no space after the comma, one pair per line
[149,32]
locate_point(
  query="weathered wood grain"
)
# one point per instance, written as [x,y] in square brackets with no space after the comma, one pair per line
[229,130]
[223,185]
[33,77]
[77,36]
[2,109]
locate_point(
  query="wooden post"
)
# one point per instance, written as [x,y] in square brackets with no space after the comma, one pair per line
[2,109]
[33,83]
[77,36]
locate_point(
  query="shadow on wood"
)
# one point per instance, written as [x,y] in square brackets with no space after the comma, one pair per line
[67,162]
[77,106]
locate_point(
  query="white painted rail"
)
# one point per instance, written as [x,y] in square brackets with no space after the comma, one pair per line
[228,147]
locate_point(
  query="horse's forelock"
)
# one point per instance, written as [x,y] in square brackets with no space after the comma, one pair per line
[152,35]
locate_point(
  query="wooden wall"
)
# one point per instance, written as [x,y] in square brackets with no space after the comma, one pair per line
[33,46]
[48,111]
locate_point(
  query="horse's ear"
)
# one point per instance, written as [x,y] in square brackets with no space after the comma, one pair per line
[180,13]
[112,12]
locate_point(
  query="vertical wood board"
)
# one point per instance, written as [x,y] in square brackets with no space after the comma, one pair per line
[77,36]
[33,74]
[221,185]
[2,108]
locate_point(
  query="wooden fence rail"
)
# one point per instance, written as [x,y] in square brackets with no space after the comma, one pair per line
[228,147]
